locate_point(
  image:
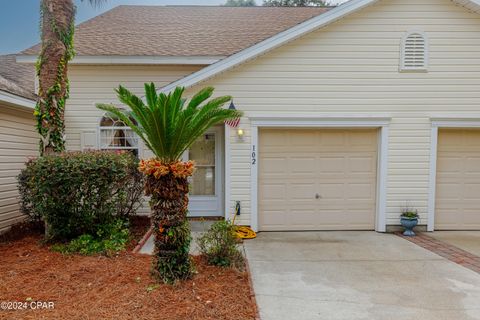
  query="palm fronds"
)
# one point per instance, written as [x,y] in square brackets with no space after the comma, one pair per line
[166,122]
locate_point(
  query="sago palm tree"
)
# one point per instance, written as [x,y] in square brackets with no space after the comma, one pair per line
[57,27]
[169,125]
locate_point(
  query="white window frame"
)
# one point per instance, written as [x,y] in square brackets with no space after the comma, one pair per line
[100,128]
[319,122]
[439,122]
[426,54]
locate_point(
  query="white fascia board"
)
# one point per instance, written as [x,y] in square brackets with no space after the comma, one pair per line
[155,60]
[271,43]
[473,5]
[16,100]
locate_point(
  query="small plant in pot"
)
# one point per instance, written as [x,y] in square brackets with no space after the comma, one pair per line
[409,220]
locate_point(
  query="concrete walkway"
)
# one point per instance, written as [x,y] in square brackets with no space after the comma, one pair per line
[357,275]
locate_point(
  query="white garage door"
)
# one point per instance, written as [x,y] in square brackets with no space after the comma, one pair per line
[457,204]
[317,179]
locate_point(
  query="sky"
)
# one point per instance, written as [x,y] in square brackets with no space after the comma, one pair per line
[19,19]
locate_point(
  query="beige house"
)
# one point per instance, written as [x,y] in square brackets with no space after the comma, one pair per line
[18,139]
[350,112]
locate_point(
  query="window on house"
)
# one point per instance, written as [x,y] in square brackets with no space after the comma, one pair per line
[116,135]
[414,52]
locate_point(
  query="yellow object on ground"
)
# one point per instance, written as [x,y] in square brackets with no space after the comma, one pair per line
[242,232]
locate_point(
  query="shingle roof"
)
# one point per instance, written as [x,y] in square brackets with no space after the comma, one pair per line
[182,30]
[16,78]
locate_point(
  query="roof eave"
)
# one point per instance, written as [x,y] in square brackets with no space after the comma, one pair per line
[472,5]
[17,101]
[132,60]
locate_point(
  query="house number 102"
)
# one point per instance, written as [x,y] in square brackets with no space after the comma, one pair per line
[254,155]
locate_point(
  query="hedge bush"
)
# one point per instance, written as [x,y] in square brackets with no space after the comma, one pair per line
[77,193]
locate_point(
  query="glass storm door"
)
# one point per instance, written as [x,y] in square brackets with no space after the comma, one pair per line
[206,183]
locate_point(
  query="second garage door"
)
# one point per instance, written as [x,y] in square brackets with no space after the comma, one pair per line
[317,179]
[457,204]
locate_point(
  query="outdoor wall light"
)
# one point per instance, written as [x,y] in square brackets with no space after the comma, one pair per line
[240,134]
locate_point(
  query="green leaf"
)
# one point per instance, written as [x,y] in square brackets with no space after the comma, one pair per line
[167,123]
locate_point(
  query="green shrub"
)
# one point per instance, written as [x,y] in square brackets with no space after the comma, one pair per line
[110,239]
[220,245]
[76,193]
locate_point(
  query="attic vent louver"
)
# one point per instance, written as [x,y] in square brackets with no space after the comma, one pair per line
[414,56]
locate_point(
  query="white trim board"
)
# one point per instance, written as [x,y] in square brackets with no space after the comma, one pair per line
[381,123]
[438,123]
[17,100]
[227,189]
[284,37]
[133,60]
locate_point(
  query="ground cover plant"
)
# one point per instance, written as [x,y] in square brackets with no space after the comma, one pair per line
[220,245]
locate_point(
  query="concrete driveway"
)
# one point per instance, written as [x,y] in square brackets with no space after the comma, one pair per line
[357,275]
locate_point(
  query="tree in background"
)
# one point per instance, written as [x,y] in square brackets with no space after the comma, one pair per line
[57,24]
[295,3]
[240,3]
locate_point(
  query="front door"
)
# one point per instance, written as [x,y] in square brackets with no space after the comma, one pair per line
[206,190]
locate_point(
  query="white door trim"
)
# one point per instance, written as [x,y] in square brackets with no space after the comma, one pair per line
[228,190]
[442,122]
[325,122]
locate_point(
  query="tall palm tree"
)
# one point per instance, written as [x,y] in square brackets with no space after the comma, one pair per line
[57,27]
[169,126]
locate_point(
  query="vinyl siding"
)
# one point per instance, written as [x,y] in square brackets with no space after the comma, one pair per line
[95,84]
[18,141]
[352,67]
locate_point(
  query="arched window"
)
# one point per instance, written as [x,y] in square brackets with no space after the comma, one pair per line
[414,52]
[116,135]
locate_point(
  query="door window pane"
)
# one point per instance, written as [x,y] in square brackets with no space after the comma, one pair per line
[202,182]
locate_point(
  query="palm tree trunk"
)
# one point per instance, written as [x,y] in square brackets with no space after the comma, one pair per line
[169,204]
[57,27]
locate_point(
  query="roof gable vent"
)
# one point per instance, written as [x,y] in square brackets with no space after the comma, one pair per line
[414,52]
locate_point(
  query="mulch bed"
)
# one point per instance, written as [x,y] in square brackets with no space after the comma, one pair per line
[98,287]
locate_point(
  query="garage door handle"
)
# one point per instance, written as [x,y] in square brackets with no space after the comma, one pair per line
[317,196]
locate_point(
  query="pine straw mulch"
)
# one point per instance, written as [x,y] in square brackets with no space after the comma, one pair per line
[98,287]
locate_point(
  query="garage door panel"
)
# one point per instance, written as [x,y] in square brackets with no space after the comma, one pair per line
[457,204]
[364,139]
[471,191]
[335,164]
[360,191]
[301,191]
[273,191]
[329,191]
[274,166]
[301,165]
[362,164]
[299,138]
[332,165]
[448,191]
[472,164]
[449,164]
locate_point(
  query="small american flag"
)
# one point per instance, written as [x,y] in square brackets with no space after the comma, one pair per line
[233,123]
